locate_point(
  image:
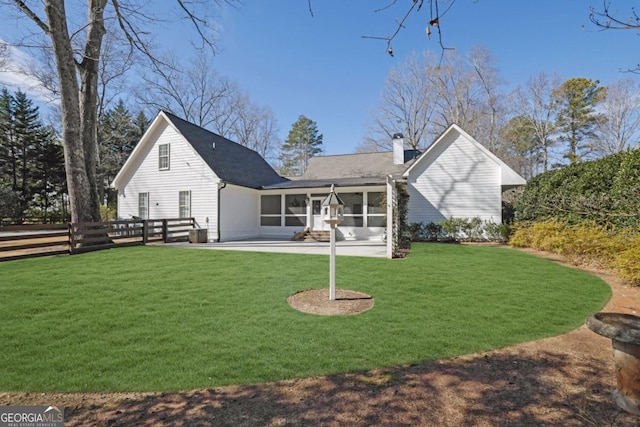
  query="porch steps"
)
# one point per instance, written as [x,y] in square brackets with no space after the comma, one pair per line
[317,236]
[312,236]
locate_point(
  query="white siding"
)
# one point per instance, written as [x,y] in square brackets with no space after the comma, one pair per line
[239,213]
[187,172]
[456,180]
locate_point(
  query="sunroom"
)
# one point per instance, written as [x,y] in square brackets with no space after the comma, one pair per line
[294,206]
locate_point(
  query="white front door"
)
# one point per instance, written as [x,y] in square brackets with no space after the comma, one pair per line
[316,214]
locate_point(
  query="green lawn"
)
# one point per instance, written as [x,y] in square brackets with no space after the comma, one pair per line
[163,319]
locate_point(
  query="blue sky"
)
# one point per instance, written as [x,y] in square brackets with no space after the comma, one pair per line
[321,66]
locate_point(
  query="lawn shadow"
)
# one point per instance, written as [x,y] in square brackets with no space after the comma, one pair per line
[497,389]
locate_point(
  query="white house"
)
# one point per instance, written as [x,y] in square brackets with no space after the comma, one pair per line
[179,169]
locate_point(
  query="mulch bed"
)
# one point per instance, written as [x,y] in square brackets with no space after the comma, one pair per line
[561,381]
[316,301]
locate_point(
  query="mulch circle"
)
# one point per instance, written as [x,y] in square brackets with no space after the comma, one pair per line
[316,301]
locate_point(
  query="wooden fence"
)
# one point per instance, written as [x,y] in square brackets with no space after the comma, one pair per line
[25,241]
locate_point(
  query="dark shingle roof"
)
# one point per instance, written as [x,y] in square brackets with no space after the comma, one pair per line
[230,161]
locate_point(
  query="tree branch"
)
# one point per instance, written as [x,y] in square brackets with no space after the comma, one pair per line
[417,6]
[32,15]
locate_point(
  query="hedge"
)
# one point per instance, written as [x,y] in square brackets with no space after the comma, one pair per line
[605,192]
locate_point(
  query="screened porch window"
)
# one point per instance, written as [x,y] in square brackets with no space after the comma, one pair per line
[295,210]
[270,210]
[353,215]
[375,210]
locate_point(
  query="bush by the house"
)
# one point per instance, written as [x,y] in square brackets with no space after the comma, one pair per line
[459,230]
[585,243]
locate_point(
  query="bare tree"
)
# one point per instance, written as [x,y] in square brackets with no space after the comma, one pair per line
[407,105]
[204,97]
[75,42]
[424,96]
[536,102]
[4,55]
[198,93]
[620,109]
[255,127]
[489,80]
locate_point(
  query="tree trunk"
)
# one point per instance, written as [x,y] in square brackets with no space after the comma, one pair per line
[84,206]
[89,69]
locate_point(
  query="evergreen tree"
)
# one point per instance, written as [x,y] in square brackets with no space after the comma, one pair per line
[520,147]
[577,120]
[7,157]
[118,134]
[49,180]
[302,143]
[27,131]
[31,160]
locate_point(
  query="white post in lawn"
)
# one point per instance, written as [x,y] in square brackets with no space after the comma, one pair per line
[333,209]
[332,264]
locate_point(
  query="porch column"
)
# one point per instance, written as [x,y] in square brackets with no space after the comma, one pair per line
[390,188]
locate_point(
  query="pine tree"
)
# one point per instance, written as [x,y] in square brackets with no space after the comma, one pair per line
[49,180]
[302,143]
[31,159]
[7,158]
[27,127]
[118,134]
[577,120]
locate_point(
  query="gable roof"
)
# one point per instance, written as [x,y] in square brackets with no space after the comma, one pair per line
[230,161]
[359,165]
[508,176]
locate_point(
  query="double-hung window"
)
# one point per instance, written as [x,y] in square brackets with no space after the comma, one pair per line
[184,208]
[143,205]
[163,157]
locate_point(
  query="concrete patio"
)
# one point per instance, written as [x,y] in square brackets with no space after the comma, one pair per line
[343,247]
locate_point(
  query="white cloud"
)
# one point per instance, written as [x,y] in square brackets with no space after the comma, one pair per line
[16,76]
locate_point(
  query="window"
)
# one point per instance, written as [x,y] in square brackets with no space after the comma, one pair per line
[184,209]
[270,210]
[375,210]
[352,209]
[296,210]
[163,157]
[143,205]
[316,207]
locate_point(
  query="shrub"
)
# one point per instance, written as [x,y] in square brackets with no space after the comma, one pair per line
[107,213]
[497,232]
[460,229]
[589,243]
[604,191]
[627,262]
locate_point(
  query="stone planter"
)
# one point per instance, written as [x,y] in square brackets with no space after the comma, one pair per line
[624,332]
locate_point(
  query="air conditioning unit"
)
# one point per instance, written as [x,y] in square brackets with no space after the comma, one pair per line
[198,235]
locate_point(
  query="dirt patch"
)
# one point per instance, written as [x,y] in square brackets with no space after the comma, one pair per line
[561,381]
[316,301]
